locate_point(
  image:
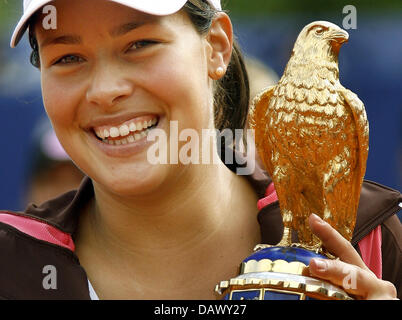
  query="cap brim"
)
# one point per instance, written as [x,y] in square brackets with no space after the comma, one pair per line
[154,7]
[23,23]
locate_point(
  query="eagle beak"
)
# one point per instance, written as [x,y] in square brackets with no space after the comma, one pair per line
[340,36]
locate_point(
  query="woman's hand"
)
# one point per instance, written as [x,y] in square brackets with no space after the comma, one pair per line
[350,272]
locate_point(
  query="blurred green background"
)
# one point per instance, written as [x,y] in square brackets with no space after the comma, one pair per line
[262,7]
[9,9]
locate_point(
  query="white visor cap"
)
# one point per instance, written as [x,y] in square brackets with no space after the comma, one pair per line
[154,7]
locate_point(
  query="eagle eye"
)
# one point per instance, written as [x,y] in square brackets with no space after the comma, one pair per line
[319,31]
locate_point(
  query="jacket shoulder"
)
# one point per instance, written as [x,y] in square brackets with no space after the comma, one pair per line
[391,250]
[377,204]
[28,256]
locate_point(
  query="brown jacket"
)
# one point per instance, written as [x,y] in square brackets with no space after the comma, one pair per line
[24,257]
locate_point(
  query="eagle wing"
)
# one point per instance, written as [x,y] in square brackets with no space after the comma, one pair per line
[257,121]
[362,130]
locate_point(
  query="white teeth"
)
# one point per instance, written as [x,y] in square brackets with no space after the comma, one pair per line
[130,139]
[124,130]
[138,131]
[114,132]
[133,127]
[99,134]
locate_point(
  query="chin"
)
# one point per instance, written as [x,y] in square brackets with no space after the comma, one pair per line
[132,182]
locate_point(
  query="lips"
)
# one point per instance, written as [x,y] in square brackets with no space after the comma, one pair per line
[113,137]
[126,132]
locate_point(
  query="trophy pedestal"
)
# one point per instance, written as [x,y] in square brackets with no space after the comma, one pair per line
[279,273]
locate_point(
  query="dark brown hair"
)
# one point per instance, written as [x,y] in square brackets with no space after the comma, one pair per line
[232,91]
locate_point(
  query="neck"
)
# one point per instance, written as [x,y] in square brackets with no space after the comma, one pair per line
[196,209]
[185,239]
[163,219]
[310,72]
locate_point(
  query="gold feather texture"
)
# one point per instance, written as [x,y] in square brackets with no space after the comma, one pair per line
[312,135]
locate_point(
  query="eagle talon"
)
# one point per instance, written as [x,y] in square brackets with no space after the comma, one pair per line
[286,240]
[259,247]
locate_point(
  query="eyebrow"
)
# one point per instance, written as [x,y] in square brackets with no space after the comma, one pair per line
[115,32]
[66,39]
[127,27]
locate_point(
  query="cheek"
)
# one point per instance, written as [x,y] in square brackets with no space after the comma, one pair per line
[181,81]
[59,98]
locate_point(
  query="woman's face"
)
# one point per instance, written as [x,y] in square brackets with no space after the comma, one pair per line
[107,71]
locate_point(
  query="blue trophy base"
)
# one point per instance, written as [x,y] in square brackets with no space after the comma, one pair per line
[279,273]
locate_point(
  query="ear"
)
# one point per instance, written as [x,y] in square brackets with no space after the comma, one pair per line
[220,45]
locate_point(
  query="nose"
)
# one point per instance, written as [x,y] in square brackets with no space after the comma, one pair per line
[108,86]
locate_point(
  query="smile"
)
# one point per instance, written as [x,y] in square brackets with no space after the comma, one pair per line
[127,132]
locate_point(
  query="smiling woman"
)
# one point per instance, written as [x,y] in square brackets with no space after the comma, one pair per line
[105,87]
[112,72]
[115,75]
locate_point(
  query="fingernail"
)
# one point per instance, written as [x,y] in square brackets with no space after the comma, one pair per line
[320,265]
[317,218]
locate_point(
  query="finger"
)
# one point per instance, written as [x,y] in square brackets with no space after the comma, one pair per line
[354,280]
[333,241]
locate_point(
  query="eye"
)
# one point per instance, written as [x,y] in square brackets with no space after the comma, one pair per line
[319,31]
[69,59]
[137,45]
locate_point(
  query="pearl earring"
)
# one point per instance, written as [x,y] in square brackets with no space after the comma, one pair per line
[220,72]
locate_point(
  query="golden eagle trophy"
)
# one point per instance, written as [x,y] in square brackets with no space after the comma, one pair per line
[312,135]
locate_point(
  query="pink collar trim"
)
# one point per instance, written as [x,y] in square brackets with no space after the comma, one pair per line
[38,229]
